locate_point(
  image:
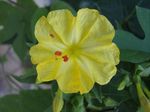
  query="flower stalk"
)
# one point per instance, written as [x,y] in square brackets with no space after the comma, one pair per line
[144,101]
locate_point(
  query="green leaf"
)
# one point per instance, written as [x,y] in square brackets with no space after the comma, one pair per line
[13,101]
[133,93]
[97,93]
[122,85]
[26,101]
[136,50]
[49,109]
[125,82]
[126,40]
[115,10]
[110,102]
[28,8]
[145,73]
[9,21]
[127,106]
[19,44]
[134,56]
[94,98]
[143,15]
[110,90]
[143,70]
[61,5]
[78,103]
[28,77]
[140,109]
[67,97]
[93,102]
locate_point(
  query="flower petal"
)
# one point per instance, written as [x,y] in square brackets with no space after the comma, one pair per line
[101,33]
[84,22]
[47,70]
[72,78]
[62,22]
[101,72]
[39,53]
[104,54]
[46,35]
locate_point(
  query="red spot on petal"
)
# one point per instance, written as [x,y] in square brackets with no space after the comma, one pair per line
[58,53]
[65,58]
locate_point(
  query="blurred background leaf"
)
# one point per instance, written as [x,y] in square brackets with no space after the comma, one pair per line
[26,101]
[9,21]
[28,77]
[136,50]
[58,4]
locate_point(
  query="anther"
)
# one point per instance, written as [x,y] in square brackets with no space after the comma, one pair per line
[58,53]
[65,58]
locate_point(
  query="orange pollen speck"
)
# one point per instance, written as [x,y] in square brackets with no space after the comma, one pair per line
[58,53]
[65,58]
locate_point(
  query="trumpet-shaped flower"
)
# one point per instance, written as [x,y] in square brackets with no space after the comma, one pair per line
[75,51]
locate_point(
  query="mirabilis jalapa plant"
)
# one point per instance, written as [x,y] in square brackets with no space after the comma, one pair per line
[75,51]
[128,90]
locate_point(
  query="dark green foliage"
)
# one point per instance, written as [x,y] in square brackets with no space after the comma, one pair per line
[26,101]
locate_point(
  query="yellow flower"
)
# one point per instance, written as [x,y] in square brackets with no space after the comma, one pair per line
[75,51]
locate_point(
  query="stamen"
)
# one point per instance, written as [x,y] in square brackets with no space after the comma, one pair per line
[65,58]
[58,53]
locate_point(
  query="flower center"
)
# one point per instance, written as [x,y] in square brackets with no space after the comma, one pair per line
[73,50]
[60,55]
